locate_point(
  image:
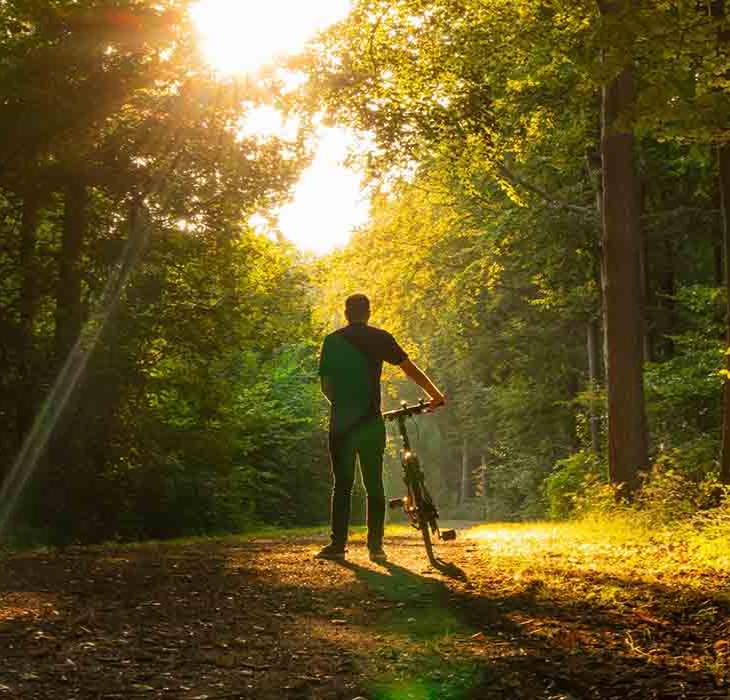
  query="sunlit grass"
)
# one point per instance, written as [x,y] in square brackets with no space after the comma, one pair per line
[611,560]
[625,536]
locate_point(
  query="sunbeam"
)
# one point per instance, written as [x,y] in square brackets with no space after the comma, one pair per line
[36,441]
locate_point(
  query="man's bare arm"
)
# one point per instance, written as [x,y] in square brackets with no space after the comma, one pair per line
[413,372]
[326,386]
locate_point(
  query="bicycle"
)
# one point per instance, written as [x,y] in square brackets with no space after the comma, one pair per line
[417,503]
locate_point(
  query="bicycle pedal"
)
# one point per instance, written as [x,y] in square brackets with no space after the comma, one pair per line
[447,535]
[395,503]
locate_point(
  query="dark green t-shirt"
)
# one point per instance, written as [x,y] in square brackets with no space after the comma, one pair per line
[352,360]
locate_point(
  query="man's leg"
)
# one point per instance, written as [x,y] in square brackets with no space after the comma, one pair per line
[342,454]
[370,448]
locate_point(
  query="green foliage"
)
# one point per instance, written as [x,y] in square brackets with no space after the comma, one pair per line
[668,496]
[712,525]
[485,254]
[197,422]
[199,410]
[569,481]
[122,160]
[683,391]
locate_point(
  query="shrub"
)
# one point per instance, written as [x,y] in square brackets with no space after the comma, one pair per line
[568,481]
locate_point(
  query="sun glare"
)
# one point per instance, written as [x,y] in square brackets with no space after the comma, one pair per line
[328,201]
[240,36]
[264,122]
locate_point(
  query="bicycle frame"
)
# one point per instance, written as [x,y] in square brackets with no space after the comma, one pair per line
[417,504]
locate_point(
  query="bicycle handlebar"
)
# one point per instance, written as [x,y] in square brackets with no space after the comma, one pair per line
[405,411]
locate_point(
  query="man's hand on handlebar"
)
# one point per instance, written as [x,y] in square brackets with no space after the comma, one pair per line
[416,374]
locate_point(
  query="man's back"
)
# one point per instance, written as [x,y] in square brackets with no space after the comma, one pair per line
[352,361]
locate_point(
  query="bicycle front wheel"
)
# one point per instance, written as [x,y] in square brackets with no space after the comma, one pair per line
[425,528]
[424,509]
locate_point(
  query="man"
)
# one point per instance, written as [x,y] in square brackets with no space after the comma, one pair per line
[349,368]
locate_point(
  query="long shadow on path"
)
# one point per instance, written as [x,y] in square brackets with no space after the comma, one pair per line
[469,647]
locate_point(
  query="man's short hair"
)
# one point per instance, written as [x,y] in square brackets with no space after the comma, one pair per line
[357,307]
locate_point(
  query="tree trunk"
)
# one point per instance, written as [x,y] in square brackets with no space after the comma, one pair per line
[56,500]
[27,311]
[719,270]
[68,296]
[647,329]
[666,312]
[483,485]
[724,163]
[594,360]
[465,490]
[622,285]
[723,156]
[600,353]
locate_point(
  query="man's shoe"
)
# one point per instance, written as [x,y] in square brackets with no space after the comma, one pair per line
[378,555]
[331,551]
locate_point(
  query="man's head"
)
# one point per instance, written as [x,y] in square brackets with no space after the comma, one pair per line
[357,308]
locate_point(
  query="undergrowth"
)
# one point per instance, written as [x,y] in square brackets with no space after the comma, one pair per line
[670,510]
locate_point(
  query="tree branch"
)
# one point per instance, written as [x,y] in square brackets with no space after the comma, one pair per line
[552,201]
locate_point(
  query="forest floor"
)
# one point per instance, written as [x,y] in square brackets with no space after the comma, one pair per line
[542,612]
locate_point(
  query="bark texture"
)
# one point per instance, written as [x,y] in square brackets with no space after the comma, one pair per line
[622,286]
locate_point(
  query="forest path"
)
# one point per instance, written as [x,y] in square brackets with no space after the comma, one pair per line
[542,614]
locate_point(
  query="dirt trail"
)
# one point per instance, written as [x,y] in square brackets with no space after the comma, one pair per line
[262,619]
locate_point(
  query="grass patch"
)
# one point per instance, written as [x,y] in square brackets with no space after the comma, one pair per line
[428,679]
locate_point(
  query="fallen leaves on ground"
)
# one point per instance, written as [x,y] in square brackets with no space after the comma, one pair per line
[537,616]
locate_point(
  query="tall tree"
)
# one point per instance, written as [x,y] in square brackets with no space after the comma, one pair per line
[27,307]
[622,278]
[718,10]
[723,157]
[69,313]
